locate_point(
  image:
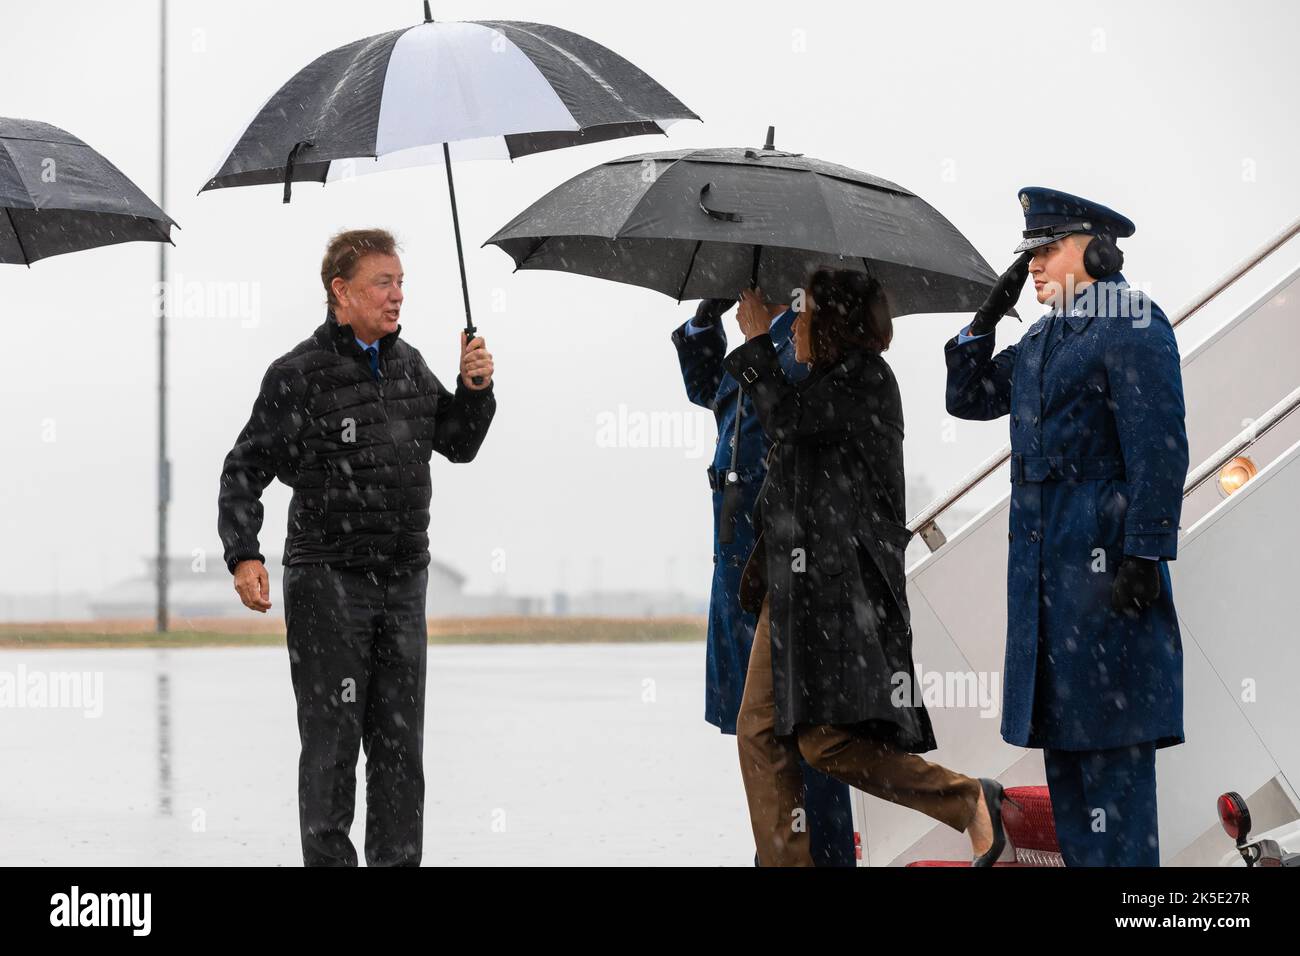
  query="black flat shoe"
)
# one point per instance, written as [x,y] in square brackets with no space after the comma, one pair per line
[993,797]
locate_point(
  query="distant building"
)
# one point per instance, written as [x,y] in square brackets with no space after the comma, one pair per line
[204,589]
[201,588]
[50,606]
[626,604]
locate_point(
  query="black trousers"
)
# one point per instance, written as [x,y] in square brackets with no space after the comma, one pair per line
[358,644]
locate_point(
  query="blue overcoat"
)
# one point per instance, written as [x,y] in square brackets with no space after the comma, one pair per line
[1098,461]
[731,628]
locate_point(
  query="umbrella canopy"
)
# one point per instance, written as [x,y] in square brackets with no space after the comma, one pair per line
[58,195]
[706,223]
[493,87]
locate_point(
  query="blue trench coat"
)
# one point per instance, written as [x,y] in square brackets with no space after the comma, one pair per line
[731,629]
[1098,461]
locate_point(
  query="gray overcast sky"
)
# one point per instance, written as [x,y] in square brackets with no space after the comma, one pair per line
[1179,114]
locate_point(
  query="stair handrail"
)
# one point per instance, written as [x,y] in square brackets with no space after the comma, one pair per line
[926,525]
[1241,441]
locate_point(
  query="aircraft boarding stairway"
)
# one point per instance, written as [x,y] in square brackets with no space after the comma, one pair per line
[1235,587]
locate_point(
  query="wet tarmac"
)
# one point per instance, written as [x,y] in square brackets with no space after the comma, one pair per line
[552,755]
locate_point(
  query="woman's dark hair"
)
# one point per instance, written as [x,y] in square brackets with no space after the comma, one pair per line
[849,311]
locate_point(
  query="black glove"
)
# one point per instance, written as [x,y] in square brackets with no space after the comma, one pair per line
[1006,291]
[710,310]
[1137,584]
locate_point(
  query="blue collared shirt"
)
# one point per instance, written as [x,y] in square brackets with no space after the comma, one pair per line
[964,336]
[372,356]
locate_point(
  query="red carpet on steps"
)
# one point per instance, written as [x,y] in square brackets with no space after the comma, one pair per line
[1028,822]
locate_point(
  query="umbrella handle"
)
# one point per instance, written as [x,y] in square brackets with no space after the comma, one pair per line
[289,164]
[470,332]
[721,214]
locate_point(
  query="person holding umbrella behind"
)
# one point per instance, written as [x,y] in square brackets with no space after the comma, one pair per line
[735,476]
[699,224]
[830,675]
[349,419]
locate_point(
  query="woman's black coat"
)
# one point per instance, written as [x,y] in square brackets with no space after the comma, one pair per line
[830,550]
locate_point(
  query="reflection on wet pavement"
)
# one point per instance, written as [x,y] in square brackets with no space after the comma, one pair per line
[573,754]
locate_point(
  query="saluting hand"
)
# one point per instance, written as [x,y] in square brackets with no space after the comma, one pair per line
[475,359]
[1003,296]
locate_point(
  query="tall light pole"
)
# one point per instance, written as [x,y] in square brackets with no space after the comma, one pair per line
[164,466]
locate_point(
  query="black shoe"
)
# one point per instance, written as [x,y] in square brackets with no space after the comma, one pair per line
[993,797]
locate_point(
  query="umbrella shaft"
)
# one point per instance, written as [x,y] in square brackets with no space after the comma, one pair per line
[460,251]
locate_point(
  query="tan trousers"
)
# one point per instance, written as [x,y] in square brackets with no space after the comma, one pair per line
[774,783]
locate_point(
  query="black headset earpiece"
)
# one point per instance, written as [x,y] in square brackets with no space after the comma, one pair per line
[1102,257]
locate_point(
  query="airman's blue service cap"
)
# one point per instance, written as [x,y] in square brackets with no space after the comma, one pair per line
[1051,214]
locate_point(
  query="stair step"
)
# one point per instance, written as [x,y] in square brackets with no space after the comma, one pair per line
[1031,831]
[957,863]
[1030,827]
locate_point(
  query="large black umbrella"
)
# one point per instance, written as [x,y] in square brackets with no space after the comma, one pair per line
[58,195]
[706,223]
[491,87]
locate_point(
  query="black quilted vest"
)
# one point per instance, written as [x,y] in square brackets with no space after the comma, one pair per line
[355,451]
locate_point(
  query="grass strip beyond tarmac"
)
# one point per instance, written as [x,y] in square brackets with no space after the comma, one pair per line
[219,632]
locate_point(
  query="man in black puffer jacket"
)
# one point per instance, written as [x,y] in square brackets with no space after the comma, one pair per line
[349,419]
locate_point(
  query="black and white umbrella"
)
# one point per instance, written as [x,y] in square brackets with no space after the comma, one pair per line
[442,91]
[58,195]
